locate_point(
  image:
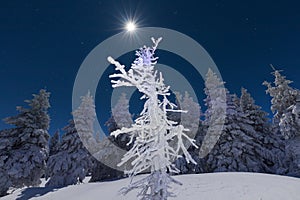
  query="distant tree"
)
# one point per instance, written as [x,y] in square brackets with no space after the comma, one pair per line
[235,149]
[84,118]
[239,147]
[290,121]
[215,113]
[190,120]
[269,145]
[73,161]
[286,118]
[54,143]
[283,96]
[121,114]
[24,149]
[8,139]
[107,147]
[108,158]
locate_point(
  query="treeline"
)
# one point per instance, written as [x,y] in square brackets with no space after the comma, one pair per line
[235,135]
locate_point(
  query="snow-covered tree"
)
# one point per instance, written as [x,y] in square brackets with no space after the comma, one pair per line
[269,145]
[283,95]
[7,140]
[284,105]
[289,122]
[290,127]
[234,151]
[108,157]
[190,120]
[73,161]
[121,113]
[152,130]
[216,111]
[37,115]
[24,149]
[239,147]
[54,143]
[84,118]
[108,152]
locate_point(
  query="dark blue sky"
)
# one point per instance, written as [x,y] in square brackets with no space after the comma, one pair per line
[43,43]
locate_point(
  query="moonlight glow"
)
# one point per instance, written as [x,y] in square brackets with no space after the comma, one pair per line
[130,26]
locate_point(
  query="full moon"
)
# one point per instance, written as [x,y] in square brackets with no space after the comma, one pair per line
[130,26]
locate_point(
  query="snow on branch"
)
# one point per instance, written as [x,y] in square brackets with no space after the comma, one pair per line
[153,132]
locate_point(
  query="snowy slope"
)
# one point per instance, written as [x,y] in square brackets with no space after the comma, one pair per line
[223,186]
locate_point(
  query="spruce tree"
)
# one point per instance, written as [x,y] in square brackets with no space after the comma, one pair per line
[235,149]
[215,113]
[84,118]
[283,96]
[269,145]
[73,161]
[290,121]
[54,143]
[191,120]
[284,107]
[108,154]
[121,114]
[25,147]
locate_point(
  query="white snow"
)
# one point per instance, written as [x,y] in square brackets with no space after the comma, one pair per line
[215,186]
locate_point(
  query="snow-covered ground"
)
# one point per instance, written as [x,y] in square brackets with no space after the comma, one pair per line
[223,186]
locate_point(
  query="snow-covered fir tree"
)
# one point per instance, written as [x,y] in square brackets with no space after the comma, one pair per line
[84,118]
[54,143]
[73,161]
[285,107]
[191,118]
[152,130]
[269,145]
[293,144]
[289,122]
[191,121]
[108,147]
[283,96]
[216,111]
[121,114]
[108,157]
[238,147]
[24,149]
[234,151]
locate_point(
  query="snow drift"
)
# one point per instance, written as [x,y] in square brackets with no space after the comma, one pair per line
[223,186]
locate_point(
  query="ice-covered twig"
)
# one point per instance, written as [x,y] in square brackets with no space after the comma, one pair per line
[155,42]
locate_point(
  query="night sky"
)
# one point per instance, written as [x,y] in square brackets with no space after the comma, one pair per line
[43,43]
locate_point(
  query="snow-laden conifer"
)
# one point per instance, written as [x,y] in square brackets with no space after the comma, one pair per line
[269,146]
[73,161]
[108,155]
[286,117]
[283,96]
[24,148]
[152,130]
[54,143]
[216,111]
